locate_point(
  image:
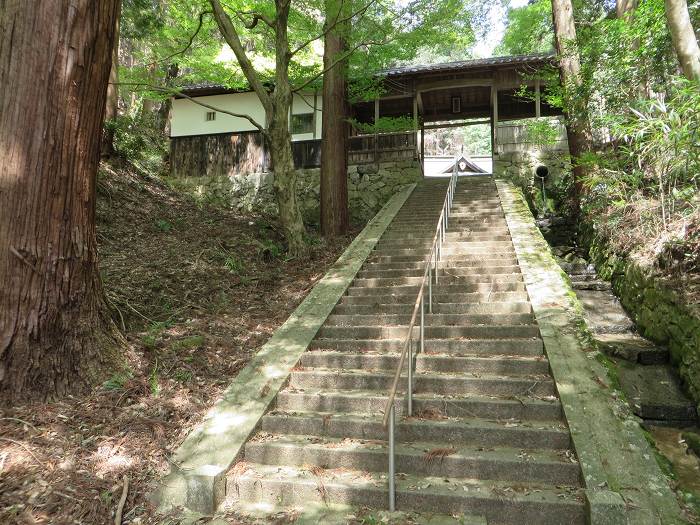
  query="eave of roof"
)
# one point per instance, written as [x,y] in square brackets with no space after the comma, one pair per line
[467,65]
[210,88]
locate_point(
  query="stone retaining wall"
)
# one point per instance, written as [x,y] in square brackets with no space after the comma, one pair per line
[518,154]
[369,187]
[659,310]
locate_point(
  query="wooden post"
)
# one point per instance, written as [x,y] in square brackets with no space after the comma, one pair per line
[494,114]
[415,119]
[538,110]
[422,148]
[315,119]
[376,135]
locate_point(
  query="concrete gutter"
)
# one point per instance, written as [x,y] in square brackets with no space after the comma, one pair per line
[624,484]
[198,467]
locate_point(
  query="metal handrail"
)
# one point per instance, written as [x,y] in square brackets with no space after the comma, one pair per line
[428,273]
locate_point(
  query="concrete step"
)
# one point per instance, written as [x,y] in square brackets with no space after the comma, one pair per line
[429,230]
[431,332]
[451,261]
[446,384]
[475,265]
[546,467]
[411,238]
[438,297]
[473,272]
[448,250]
[510,366]
[439,407]
[512,347]
[448,247]
[447,432]
[438,289]
[433,319]
[449,278]
[438,308]
[500,502]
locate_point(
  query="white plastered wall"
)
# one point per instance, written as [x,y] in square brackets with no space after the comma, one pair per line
[188,118]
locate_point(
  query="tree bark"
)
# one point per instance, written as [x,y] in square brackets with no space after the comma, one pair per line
[623,7]
[277,106]
[683,37]
[56,336]
[112,105]
[577,125]
[335,128]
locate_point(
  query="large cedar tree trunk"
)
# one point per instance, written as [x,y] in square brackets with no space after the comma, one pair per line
[577,126]
[56,336]
[683,36]
[334,142]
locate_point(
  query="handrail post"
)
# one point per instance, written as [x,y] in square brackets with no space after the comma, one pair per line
[422,324]
[409,408]
[430,287]
[392,467]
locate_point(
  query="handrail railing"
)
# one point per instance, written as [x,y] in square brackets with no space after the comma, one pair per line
[419,306]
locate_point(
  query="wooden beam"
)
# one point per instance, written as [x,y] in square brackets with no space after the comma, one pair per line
[538,107]
[449,84]
[457,124]
[419,98]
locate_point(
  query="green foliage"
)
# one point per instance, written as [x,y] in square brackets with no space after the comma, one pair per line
[138,139]
[187,343]
[117,381]
[528,30]
[384,125]
[153,382]
[164,225]
[234,265]
[542,132]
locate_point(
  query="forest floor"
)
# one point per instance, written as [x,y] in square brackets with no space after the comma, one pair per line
[196,290]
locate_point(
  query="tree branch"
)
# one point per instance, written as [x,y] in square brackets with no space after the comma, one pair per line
[233,40]
[332,26]
[256,18]
[189,44]
[175,92]
[345,56]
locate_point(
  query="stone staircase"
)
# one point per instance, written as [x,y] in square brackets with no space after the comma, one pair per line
[487,438]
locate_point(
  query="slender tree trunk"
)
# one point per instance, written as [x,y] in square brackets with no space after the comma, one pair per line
[277,106]
[112,105]
[683,36]
[577,126]
[335,128]
[56,336]
[623,7]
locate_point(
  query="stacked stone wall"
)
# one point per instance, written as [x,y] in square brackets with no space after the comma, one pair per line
[369,187]
[658,306]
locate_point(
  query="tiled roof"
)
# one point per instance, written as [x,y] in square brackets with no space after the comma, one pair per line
[478,63]
[212,88]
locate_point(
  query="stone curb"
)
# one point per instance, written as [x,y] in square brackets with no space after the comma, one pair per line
[198,467]
[624,484]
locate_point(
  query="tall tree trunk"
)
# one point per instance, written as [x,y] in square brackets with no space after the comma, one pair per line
[56,336]
[112,105]
[577,126]
[335,128]
[683,36]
